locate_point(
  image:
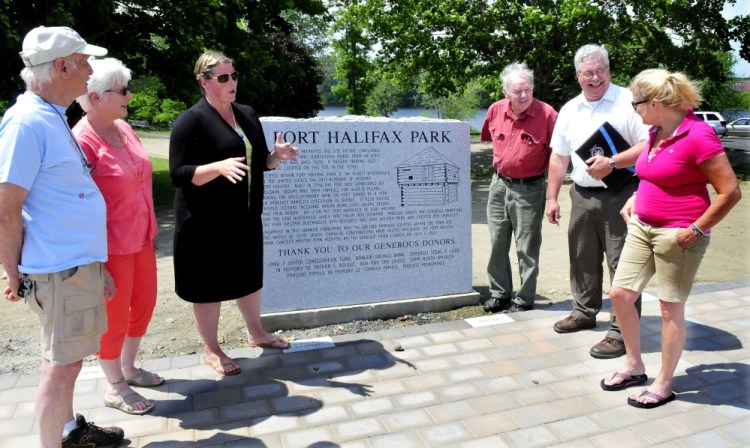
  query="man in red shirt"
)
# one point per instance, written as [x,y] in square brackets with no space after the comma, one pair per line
[520,128]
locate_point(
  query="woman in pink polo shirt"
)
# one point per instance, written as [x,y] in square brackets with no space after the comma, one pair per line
[669,219]
[122,171]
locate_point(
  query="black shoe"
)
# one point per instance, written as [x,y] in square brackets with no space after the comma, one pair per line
[88,435]
[515,308]
[495,305]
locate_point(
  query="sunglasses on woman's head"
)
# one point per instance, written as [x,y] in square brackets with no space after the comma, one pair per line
[224,77]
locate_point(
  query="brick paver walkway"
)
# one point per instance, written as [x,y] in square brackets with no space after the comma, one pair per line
[510,381]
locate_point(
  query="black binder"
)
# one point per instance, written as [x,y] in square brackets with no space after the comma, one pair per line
[606,141]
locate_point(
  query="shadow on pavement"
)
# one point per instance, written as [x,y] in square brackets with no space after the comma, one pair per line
[260,391]
[715,384]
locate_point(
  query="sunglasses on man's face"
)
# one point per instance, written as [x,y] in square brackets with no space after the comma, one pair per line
[224,77]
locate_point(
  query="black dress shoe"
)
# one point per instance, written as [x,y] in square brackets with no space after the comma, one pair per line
[495,305]
[515,308]
[608,348]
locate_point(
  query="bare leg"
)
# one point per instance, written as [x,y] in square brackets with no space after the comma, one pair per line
[207,321]
[623,301]
[250,308]
[672,343]
[54,400]
[128,356]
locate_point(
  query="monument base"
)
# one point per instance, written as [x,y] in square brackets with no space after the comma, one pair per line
[367,311]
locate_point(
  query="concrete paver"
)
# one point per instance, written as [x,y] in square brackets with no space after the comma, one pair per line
[516,383]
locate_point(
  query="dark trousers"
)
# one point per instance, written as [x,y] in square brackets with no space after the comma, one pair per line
[596,229]
[515,209]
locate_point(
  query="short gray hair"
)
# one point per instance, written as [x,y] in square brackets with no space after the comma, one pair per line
[40,76]
[515,68]
[590,51]
[107,73]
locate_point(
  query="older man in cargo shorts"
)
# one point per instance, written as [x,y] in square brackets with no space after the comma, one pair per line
[53,229]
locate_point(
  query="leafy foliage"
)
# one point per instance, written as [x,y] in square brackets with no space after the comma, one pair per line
[384,99]
[163,39]
[446,44]
[353,62]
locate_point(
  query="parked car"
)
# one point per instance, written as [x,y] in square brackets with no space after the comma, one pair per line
[715,120]
[739,128]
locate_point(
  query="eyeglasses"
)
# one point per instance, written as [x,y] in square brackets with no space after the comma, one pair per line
[124,91]
[589,74]
[520,92]
[636,103]
[224,77]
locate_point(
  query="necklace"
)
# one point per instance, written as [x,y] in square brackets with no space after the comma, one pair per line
[248,152]
[236,127]
[129,160]
[84,161]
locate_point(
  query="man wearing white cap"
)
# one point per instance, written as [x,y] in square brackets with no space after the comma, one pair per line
[53,229]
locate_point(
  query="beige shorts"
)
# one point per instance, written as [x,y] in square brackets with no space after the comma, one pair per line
[71,309]
[654,250]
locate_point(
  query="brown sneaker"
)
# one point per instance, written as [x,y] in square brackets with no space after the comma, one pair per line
[608,348]
[571,324]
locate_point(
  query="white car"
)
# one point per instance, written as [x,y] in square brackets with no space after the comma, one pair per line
[739,128]
[715,120]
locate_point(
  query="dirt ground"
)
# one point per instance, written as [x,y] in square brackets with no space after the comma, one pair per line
[172,331]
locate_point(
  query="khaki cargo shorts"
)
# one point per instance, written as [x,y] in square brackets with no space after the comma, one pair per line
[72,311]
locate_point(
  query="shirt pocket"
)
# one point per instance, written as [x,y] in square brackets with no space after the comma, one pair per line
[499,136]
[529,140]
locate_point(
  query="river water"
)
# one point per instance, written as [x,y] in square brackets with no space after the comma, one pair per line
[475,122]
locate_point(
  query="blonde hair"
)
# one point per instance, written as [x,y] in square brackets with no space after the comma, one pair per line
[205,64]
[670,89]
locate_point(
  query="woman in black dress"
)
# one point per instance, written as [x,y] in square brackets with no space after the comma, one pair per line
[218,241]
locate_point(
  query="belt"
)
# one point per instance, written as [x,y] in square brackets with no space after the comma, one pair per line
[592,188]
[520,180]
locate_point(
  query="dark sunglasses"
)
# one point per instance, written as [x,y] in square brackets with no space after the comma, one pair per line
[636,103]
[224,77]
[124,91]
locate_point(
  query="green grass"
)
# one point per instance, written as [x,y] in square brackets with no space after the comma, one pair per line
[163,188]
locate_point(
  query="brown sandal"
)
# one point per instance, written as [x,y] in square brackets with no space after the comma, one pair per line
[125,403]
[145,378]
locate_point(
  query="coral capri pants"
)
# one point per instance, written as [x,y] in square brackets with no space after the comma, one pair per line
[130,311]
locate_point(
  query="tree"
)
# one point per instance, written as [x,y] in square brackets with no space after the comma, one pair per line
[384,99]
[162,38]
[447,44]
[457,106]
[353,62]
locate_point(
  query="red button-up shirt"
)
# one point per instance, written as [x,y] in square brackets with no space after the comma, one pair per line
[521,145]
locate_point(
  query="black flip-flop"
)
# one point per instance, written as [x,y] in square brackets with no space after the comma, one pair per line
[627,381]
[660,400]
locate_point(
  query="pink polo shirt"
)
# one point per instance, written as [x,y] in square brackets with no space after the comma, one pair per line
[673,191]
[520,145]
[123,175]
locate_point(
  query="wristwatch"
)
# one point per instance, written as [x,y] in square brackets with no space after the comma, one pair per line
[612,163]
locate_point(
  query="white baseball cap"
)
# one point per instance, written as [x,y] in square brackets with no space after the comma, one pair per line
[45,44]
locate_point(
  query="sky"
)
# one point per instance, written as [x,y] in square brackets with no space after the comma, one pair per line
[742,7]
